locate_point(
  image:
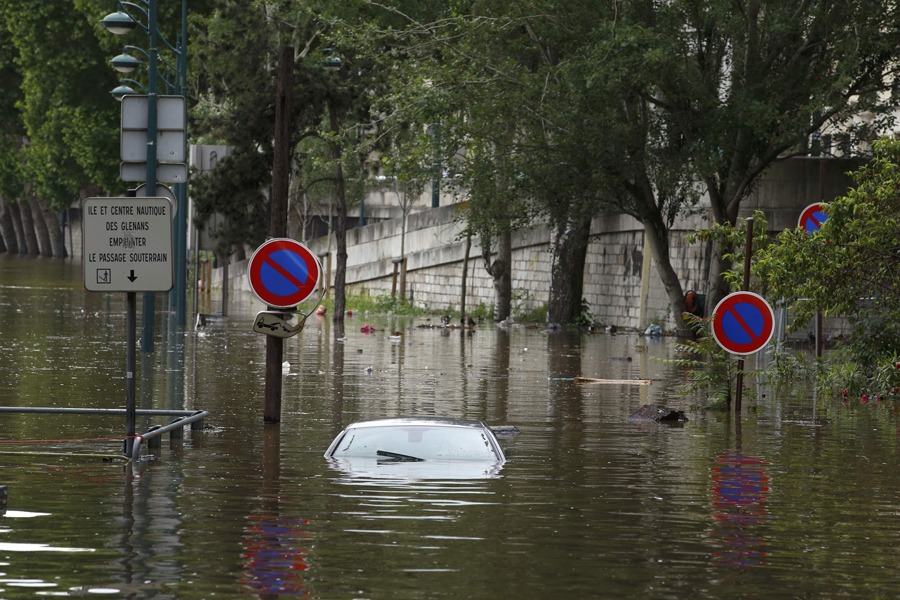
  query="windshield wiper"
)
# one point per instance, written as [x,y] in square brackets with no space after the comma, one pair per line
[398,457]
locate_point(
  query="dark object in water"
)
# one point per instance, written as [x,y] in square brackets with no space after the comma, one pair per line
[648,412]
[504,431]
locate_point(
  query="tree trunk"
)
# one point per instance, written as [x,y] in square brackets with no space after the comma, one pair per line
[501,272]
[717,287]
[568,247]
[15,212]
[658,237]
[226,281]
[340,233]
[7,231]
[54,229]
[40,228]
[28,228]
[465,275]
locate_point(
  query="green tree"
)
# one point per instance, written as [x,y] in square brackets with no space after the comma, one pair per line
[745,85]
[642,107]
[238,54]
[851,267]
[64,141]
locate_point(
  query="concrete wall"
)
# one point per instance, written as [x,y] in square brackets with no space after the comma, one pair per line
[617,262]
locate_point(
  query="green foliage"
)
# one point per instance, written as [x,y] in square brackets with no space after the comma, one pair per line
[788,367]
[245,212]
[585,317]
[521,300]
[851,267]
[482,311]
[62,131]
[712,372]
[537,315]
[734,237]
[844,379]
[380,304]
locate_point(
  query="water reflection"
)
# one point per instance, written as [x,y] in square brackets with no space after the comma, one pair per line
[740,487]
[275,556]
[337,366]
[364,470]
[274,546]
[588,505]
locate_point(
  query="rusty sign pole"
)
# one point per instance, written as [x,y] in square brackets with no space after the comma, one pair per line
[278,217]
[745,287]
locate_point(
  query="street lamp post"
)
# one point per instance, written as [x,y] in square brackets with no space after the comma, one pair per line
[121,22]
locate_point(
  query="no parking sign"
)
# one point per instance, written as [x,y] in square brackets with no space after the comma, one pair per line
[813,217]
[283,273]
[743,323]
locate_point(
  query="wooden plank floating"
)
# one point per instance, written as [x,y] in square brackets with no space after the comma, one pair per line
[614,381]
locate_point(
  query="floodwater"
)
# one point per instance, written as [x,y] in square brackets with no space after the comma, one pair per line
[799,498]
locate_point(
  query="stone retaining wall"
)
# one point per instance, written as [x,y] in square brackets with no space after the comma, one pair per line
[617,269]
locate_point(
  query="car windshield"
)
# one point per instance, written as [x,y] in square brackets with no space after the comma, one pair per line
[416,442]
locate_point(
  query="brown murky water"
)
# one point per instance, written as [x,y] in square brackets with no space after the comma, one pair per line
[798,499]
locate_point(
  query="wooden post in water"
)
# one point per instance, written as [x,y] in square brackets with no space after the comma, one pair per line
[403,279]
[278,217]
[745,287]
[396,262]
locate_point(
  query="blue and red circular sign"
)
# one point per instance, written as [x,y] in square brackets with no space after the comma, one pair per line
[743,323]
[283,273]
[813,217]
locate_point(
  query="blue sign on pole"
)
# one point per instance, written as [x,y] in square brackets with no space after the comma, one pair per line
[283,273]
[743,323]
[813,217]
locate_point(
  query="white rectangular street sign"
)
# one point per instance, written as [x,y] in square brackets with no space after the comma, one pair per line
[169,112]
[169,145]
[127,244]
[168,172]
[170,128]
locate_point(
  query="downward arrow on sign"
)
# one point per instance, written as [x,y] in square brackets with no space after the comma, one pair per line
[132,277]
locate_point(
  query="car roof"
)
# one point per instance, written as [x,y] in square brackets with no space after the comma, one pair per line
[431,421]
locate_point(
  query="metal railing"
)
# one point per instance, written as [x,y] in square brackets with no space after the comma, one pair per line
[191,419]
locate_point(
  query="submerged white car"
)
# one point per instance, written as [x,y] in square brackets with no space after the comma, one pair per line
[417,439]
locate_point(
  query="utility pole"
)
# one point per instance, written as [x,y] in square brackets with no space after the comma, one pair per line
[281,170]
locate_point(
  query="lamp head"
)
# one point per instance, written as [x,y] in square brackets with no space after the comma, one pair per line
[330,62]
[118,22]
[125,63]
[122,90]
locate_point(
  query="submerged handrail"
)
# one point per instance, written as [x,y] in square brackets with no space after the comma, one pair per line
[94,411]
[187,420]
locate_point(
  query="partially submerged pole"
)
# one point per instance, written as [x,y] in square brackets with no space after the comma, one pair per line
[745,287]
[278,218]
[130,361]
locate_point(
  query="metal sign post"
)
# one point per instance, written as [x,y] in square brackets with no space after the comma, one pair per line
[127,247]
[130,343]
[811,220]
[743,322]
[282,274]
